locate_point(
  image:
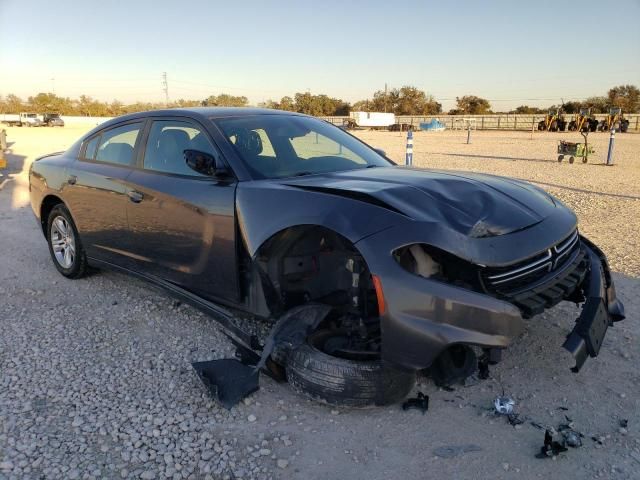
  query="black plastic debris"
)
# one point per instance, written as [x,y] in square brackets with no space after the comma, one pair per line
[551,447]
[228,380]
[624,423]
[515,419]
[420,402]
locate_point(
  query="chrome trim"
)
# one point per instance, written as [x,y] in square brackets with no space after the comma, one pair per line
[524,274]
[551,259]
[526,267]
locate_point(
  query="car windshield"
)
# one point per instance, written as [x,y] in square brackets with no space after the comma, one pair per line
[277,146]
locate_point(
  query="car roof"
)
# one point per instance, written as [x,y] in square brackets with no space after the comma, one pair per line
[206,112]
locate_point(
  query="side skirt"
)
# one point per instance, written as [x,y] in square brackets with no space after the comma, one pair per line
[220,314]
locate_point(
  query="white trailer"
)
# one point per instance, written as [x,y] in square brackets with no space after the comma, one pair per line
[21,119]
[372,119]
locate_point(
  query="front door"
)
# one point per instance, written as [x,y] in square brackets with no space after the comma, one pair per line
[182,223]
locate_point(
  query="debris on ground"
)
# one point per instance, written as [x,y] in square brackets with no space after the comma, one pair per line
[228,380]
[451,451]
[420,402]
[515,419]
[551,447]
[504,405]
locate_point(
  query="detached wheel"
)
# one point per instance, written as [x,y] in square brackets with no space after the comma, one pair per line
[345,377]
[65,247]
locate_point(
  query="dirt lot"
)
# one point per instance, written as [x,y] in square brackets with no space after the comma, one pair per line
[95,376]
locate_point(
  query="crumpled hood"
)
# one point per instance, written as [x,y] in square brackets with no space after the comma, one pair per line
[473,204]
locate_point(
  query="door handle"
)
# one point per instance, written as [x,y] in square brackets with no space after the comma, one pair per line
[135,197]
[72,180]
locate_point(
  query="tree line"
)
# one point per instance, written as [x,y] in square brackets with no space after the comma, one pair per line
[406,100]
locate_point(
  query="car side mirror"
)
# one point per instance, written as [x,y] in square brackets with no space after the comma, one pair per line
[205,163]
[381,152]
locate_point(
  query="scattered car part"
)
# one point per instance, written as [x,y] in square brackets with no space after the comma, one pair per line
[353,379]
[515,419]
[228,380]
[551,447]
[504,405]
[419,402]
[571,438]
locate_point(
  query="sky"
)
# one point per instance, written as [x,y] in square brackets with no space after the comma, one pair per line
[510,52]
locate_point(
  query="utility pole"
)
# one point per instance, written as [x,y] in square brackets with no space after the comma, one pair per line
[165,87]
[385,97]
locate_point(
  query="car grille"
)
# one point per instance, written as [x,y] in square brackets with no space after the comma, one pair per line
[540,281]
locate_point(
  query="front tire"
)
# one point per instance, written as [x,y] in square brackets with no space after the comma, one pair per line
[65,247]
[341,381]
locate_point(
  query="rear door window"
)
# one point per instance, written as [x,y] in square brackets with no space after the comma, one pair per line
[117,145]
[91,147]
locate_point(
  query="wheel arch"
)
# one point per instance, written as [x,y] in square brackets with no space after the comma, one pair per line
[295,244]
[48,203]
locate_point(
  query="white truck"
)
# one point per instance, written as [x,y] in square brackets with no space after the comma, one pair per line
[27,119]
[371,119]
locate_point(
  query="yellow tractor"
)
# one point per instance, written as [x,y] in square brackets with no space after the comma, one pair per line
[583,122]
[614,120]
[553,122]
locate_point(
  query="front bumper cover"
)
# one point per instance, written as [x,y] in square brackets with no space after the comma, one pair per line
[601,309]
[424,316]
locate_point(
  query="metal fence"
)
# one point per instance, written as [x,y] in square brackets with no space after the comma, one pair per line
[498,121]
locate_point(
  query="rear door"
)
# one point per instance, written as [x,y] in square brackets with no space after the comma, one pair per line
[182,223]
[97,193]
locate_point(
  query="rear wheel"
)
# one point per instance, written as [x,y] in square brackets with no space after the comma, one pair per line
[65,247]
[329,369]
[571,159]
[560,158]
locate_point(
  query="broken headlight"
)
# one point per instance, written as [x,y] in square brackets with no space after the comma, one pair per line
[436,264]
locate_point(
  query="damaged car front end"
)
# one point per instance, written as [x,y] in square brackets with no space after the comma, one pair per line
[477,301]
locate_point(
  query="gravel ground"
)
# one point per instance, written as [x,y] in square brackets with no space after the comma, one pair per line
[96,382]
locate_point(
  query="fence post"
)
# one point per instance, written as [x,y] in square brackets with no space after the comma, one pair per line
[637,117]
[409,156]
[612,139]
[468,133]
[3,147]
[482,123]
[515,122]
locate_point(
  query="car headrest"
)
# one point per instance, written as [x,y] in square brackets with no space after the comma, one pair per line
[116,152]
[173,142]
[249,142]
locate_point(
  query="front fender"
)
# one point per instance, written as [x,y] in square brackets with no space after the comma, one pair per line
[264,209]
